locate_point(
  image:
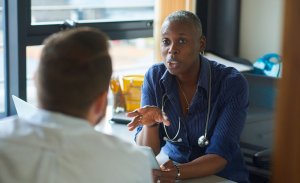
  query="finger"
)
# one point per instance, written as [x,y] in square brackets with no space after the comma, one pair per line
[132,127]
[134,123]
[156,173]
[166,122]
[166,177]
[168,164]
[151,114]
[133,113]
[148,109]
[163,120]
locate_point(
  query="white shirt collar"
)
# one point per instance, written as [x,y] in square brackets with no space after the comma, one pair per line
[48,118]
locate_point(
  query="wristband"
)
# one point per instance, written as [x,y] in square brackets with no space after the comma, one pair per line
[178,172]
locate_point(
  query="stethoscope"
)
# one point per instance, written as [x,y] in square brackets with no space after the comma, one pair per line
[203,140]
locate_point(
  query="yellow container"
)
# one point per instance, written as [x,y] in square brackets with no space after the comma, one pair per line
[132,91]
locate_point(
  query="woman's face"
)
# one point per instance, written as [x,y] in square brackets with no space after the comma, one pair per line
[180,47]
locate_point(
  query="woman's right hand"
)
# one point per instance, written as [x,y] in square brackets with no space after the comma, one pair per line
[147,115]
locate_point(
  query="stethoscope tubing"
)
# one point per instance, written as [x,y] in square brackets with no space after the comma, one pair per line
[202,141]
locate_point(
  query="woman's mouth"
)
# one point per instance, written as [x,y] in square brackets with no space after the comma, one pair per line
[172,64]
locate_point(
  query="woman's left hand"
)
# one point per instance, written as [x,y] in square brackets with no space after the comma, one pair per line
[167,174]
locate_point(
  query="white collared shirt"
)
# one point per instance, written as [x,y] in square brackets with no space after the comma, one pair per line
[51,147]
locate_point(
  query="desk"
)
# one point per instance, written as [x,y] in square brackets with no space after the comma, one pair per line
[209,179]
[115,129]
[120,131]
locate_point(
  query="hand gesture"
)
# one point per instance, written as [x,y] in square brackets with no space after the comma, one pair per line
[147,115]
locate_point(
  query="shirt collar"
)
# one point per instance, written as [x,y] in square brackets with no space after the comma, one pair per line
[203,81]
[166,80]
[48,118]
[204,75]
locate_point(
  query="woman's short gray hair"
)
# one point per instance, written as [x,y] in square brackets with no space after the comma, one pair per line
[185,16]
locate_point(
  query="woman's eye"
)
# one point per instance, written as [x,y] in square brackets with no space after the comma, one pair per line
[165,42]
[182,41]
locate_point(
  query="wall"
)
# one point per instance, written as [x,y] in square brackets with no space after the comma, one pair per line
[286,166]
[260,28]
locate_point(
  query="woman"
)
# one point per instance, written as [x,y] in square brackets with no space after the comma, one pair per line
[194,108]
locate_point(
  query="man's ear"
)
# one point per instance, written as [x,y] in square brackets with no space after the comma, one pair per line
[98,109]
[101,102]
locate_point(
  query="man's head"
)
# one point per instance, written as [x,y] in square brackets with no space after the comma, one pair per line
[74,73]
[181,42]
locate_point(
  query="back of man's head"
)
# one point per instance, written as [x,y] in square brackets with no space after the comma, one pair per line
[75,68]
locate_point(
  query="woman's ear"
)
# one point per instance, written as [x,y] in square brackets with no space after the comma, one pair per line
[202,44]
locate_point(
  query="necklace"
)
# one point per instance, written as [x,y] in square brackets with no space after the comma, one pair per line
[187,102]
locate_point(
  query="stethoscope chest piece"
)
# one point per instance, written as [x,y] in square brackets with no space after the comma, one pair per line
[203,141]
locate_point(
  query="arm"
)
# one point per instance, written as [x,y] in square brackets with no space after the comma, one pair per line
[224,142]
[149,117]
[149,136]
[206,165]
[229,122]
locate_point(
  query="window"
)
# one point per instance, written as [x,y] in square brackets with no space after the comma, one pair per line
[50,11]
[2,65]
[132,56]
[129,56]
[32,60]
[127,23]
[118,18]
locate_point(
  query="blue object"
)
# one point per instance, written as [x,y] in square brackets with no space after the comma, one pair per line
[268,65]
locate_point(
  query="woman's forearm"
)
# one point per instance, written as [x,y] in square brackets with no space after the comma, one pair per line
[206,165]
[149,136]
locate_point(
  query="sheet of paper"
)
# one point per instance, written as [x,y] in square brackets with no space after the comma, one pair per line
[228,63]
[23,108]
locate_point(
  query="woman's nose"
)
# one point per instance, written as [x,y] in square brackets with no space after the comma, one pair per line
[173,50]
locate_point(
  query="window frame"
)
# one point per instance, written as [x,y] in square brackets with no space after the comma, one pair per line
[19,33]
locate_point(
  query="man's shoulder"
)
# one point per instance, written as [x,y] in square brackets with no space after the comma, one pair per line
[8,126]
[122,157]
[8,119]
[119,146]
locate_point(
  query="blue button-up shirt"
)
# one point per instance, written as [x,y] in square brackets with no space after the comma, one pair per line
[229,102]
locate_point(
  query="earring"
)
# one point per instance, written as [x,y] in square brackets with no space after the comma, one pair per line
[202,53]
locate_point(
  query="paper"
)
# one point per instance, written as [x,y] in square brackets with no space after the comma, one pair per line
[228,63]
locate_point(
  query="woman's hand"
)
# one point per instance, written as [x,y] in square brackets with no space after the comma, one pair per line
[167,174]
[148,115]
[156,175]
